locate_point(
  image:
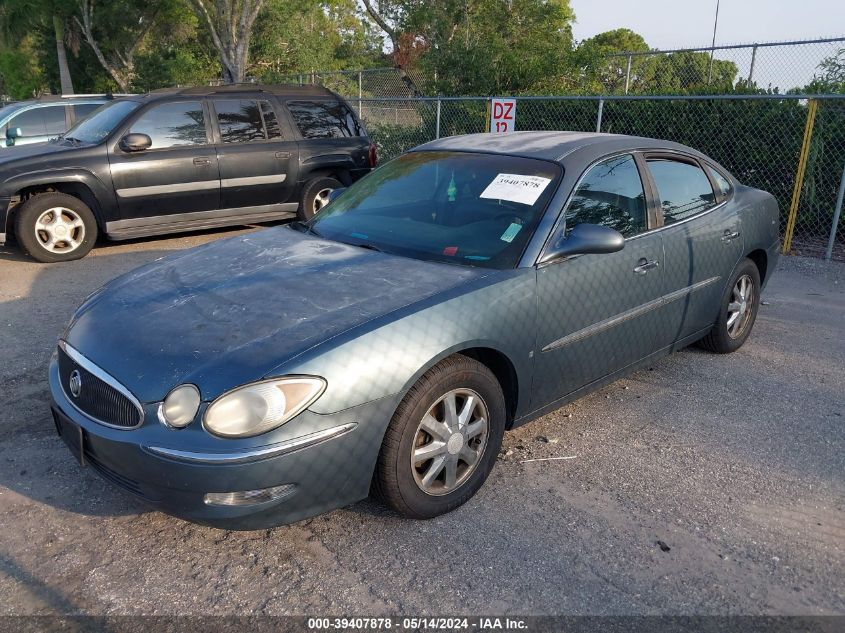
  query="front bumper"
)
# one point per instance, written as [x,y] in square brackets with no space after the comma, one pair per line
[326,472]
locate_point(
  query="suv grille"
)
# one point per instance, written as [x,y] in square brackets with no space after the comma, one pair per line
[99,396]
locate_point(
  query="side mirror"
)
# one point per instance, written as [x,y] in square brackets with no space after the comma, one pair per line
[586,239]
[135,142]
[335,194]
[12,134]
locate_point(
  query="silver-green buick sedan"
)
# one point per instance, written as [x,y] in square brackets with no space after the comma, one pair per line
[385,345]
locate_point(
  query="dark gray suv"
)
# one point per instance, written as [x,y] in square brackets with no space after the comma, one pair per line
[180,160]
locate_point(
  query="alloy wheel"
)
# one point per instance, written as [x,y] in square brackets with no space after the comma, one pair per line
[450,442]
[321,199]
[59,230]
[741,306]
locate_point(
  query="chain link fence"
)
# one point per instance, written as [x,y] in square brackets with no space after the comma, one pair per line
[774,66]
[762,139]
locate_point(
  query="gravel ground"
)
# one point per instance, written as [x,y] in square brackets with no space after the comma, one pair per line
[703,485]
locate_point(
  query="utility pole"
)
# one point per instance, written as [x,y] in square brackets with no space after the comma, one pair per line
[713,45]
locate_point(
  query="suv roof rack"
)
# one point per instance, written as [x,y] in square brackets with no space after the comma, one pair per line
[293,90]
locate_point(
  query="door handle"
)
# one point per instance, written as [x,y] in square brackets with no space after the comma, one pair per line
[202,161]
[282,154]
[645,265]
[729,235]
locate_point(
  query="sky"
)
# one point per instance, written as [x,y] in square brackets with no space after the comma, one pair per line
[683,23]
[668,24]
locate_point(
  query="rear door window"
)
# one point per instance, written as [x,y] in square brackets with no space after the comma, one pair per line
[240,120]
[722,184]
[610,194]
[683,188]
[324,119]
[82,110]
[173,124]
[54,120]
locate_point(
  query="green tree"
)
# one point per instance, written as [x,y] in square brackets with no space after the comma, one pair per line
[230,23]
[478,46]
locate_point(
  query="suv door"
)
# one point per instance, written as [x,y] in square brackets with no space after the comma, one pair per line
[176,177]
[258,159]
[702,241]
[599,313]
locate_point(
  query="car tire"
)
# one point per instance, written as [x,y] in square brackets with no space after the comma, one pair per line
[737,312]
[55,227]
[315,196]
[415,487]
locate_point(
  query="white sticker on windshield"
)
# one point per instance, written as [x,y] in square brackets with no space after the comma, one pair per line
[516,188]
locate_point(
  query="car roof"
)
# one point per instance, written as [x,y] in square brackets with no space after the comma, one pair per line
[279,90]
[554,146]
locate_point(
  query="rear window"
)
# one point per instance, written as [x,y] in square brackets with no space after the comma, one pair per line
[324,119]
[684,189]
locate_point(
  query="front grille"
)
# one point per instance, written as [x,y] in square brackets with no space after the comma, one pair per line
[99,400]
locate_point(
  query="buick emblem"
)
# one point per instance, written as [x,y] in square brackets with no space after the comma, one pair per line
[75,383]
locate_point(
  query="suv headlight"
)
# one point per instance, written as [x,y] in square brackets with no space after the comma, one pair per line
[262,406]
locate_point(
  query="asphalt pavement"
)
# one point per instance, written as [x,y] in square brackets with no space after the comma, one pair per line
[703,485]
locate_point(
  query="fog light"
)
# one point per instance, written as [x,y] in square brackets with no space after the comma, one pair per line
[249,497]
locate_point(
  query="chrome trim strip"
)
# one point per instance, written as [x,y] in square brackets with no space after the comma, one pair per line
[250,455]
[254,180]
[155,190]
[613,321]
[86,364]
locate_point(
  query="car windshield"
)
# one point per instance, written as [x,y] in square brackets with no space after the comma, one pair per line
[100,123]
[461,208]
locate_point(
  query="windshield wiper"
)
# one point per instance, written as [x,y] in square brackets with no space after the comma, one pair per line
[303,227]
[370,247]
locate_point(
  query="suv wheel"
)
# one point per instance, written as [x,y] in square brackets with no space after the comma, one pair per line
[55,227]
[315,195]
[442,441]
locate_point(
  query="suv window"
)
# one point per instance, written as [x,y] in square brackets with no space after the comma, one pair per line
[31,122]
[324,119]
[240,120]
[82,110]
[683,188]
[172,124]
[610,194]
[54,120]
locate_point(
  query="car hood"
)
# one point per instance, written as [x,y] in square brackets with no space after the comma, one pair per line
[228,312]
[32,150]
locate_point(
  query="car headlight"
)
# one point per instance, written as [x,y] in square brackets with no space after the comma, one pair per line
[262,406]
[179,407]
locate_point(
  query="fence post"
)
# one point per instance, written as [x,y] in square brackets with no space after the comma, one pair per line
[628,75]
[753,59]
[437,124]
[829,252]
[812,106]
[598,118]
[359,93]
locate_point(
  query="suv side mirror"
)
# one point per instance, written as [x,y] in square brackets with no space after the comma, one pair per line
[335,194]
[13,133]
[586,239]
[135,142]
